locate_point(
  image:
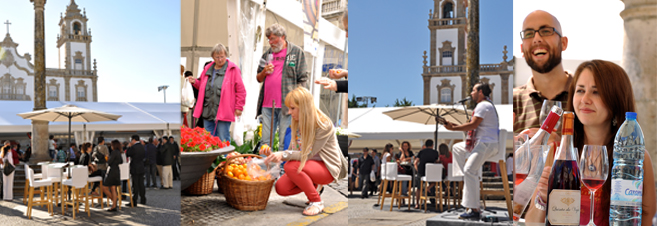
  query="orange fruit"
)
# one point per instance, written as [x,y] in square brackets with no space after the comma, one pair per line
[248,178]
[241,177]
[230,174]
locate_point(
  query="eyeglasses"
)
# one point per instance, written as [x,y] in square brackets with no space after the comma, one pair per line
[544,32]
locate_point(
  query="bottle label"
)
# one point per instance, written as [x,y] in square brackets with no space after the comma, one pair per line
[626,192]
[564,207]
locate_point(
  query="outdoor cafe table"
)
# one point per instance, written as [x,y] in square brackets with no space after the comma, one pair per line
[61,167]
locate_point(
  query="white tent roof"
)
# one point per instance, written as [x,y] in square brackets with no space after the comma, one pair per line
[378,129]
[135,116]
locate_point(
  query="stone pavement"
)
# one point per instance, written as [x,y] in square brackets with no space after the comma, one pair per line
[363,212]
[162,208]
[213,209]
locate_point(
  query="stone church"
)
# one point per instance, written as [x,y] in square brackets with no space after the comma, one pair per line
[445,75]
[76,76]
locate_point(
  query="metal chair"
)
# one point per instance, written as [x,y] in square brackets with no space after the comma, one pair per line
[434,173]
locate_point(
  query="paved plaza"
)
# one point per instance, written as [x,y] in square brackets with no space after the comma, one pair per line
[213,209]
[162,208]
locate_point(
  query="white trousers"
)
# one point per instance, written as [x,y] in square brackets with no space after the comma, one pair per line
[8,186]
[167,176]
[470,169]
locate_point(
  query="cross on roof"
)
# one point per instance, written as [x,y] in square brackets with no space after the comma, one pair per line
[7,23]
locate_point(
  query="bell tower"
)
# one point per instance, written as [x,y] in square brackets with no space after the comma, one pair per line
[74,40]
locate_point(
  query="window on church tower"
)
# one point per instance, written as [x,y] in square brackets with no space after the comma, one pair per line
[446,95]
[448,10]
[77,28]
[447,54]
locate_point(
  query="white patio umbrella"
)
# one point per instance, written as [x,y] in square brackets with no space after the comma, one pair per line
[69,113]
[430,115]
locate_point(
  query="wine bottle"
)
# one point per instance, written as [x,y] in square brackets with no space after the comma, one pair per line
[563,201]
[522,192]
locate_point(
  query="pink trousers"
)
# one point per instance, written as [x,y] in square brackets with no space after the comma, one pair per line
[312,174]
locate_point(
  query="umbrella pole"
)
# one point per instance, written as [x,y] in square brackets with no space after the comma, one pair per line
[69,131]
[435,141]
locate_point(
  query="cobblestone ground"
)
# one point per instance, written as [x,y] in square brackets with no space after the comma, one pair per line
[213,208]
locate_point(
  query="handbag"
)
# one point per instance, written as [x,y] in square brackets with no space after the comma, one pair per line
[8,168]
[400,169]
[188,95]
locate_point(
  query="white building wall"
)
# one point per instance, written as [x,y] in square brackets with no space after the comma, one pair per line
[19,73]
[62,87]
[82,47]
[433,91]
[497,90]
[73,90]
[62,56]
[446,35]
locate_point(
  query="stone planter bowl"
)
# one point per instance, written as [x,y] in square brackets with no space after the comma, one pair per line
[194,164]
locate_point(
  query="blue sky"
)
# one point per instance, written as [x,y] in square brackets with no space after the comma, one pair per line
[387,40]
[136,44]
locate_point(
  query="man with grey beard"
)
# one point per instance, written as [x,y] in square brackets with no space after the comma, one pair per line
[542,44]
[282,69]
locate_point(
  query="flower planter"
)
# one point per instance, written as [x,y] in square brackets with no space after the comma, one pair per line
[194,164]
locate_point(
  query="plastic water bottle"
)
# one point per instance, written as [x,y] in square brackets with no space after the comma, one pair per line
[627,173]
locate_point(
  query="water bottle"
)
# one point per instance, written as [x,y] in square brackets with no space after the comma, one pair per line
[627,173]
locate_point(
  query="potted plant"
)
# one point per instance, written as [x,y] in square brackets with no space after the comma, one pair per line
[199,150]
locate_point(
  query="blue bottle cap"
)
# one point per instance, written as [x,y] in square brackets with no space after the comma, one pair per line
[630,115]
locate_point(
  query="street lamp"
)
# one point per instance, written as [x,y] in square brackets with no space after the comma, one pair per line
[366,99]
[164,87]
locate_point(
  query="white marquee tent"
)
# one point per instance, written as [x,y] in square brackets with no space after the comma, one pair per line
[158,117]
[377,129]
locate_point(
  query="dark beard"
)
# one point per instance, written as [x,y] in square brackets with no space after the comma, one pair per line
[553,61]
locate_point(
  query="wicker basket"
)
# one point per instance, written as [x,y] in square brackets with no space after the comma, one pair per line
[246,195]
[202,186]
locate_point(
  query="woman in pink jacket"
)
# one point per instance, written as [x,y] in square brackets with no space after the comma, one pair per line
[221,94]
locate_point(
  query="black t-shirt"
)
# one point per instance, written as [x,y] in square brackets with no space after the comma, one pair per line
[410,154]
[426,155]
[365,165]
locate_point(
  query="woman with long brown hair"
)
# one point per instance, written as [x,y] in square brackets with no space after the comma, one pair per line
[113,175]
[600,95]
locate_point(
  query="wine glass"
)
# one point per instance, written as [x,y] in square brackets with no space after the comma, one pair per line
[594,169]
[545,111]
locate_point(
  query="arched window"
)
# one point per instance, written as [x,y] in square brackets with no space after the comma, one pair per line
[448,10]
[77,28]
[445,95]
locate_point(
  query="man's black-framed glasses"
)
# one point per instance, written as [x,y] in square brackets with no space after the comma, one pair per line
[543,32]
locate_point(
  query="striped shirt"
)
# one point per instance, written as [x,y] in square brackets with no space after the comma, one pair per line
[527,103]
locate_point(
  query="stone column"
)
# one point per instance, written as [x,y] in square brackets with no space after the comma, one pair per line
[639,57]
[39,128]
[472,59]
[67,87]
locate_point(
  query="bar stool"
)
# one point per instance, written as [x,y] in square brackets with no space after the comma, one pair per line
[55,174]
[42,184]
[125,175]
[384,182]
[457,187]
[500,158]
[92,180]
[27,182]
[78,185]
[434,173]
[397,183]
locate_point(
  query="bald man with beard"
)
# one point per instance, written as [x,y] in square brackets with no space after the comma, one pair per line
[542,44]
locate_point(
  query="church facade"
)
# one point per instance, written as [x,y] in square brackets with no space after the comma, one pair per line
[444,74]
[76,77]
